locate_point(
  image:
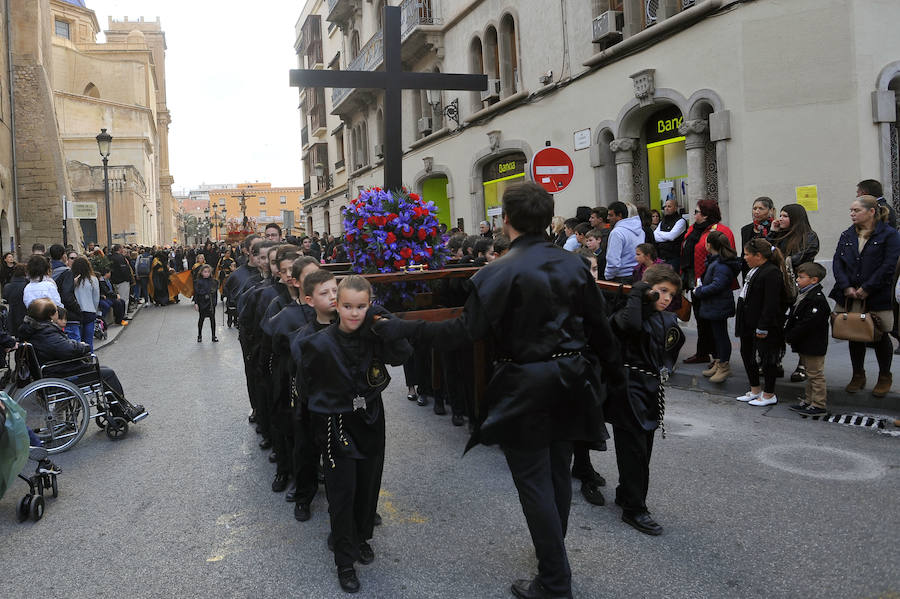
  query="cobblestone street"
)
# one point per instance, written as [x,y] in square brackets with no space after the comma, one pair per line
[754,503]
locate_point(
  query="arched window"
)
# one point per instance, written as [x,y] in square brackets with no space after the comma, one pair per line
[327,217]
[379,133]
[476,66]
[509,56]
[491,55]
[91,90]
[354,45]
[364,141]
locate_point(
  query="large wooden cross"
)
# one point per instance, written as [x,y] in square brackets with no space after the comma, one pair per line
[393,80]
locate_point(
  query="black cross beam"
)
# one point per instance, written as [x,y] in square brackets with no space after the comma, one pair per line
[393,80]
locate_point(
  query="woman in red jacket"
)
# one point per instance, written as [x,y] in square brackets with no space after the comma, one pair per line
[707,217]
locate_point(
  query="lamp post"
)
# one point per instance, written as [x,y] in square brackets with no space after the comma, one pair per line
[224,217]
[104,140]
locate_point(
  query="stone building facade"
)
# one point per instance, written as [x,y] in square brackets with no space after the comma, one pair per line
[259,202]
[696,99]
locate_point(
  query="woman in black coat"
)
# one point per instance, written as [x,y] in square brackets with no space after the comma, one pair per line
[763,212]
[863,267]
[205,299]
[13,293]
[760,319]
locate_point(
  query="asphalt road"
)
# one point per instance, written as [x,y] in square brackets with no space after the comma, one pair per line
[754,503]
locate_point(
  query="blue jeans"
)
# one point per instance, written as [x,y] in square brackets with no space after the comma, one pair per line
[87,328]
[73,330]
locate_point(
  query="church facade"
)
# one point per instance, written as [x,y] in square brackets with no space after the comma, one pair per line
[720,99]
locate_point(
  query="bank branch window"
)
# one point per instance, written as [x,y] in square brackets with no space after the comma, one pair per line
[497,176]
[666,158]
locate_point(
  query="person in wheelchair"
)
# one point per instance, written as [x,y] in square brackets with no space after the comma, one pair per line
[44,329]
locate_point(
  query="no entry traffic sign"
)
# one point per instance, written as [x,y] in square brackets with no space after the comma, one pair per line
[552,169]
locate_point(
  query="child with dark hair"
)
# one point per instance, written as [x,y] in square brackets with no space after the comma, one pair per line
[484,251]
[806,330]
[341,376]
[646,256]
[501,245]
[205,299]
[651,340]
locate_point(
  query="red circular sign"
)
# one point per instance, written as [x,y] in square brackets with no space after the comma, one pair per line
[552,169]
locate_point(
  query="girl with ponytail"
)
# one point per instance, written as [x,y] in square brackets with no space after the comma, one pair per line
[760,319]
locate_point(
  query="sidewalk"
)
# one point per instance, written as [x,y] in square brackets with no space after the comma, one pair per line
[837,374]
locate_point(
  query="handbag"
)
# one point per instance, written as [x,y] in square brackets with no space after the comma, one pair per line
[853,326]
[684,310]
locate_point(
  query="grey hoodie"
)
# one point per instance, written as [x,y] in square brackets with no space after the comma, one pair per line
[623,240]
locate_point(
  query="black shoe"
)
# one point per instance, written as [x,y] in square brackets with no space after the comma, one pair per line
[412,396]
[798,407]
[366,553]
[347,578]
[812,411]
[439,407]
[215,339]
[265,443]
[642,522]
[799,375]
[252,417]
[301,514]
[259,428]
[199,339]
[423,400]
[280,482]
[589,476]
[291,495]
[592,494]
[273,457]
[458,420]
[377,521]
[533,589]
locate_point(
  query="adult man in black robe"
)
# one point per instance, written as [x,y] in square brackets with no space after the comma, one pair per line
[542,312]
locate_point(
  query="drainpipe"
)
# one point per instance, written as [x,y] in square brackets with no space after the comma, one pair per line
[12,125]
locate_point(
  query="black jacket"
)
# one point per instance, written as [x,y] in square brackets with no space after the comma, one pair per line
[806,328]
[51,344]
[541,310]
[120,271]
[233,284]
[13,293]
[764,306]
[651,341]
[65,283]
[873,270]
[205,294]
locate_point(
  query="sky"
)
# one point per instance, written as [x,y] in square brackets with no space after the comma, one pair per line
[234,116]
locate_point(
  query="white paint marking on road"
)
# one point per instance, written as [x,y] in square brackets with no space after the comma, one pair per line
[844,465]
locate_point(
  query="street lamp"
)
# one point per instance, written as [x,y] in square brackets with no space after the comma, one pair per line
[451,109]
[104,140]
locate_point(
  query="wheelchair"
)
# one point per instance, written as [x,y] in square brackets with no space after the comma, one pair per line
[59,409]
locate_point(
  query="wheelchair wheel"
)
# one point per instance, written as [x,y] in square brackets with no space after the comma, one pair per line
[36,511]
[57,411]
[116,428]
[100,420]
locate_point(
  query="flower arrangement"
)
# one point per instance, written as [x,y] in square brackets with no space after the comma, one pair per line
[387,231]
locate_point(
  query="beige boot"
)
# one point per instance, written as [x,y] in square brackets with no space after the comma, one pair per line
[883,385]
[857,382]
[712,368]
[722,373]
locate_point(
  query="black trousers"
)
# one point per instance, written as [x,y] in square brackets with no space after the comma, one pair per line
[544,482]
[352,488]
[305,456]
[633,449]
[706,344]
[282,427]
[458,376]
[211,315]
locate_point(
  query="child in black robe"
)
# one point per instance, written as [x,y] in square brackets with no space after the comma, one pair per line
[205,299]
[651,340]
[341,376]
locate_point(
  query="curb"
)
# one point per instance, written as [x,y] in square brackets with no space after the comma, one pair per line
[688,379]
[112,333]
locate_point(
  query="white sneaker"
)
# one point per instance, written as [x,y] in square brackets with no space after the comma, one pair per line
[748,396]
[762,401]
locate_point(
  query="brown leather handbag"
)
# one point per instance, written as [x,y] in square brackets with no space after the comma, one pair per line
[853,326]
[684,310]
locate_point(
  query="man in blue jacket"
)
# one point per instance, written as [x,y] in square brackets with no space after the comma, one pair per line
[627,233]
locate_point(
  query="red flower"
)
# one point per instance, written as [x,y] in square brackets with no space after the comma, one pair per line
[398,264]
[407,231]
[379,263]
[429,251]
[389,239]
[422,234]
[419,257]
[373,220]
[350,237]
[406,253]
[392,217]
[433,232]
[414,196]
[360,224]
[365,237]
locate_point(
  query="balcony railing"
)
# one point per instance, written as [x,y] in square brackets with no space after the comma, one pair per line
[414,13]
[370,56]
[317,117]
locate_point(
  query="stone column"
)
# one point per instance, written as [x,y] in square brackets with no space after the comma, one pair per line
[624,148]
[695,144]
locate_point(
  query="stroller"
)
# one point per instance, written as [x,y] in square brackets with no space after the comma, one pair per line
[14,451]
[100,329]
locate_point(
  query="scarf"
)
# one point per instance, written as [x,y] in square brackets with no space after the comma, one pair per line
[759,230]
[687,250]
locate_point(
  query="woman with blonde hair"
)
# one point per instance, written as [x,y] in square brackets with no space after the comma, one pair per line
[863,267]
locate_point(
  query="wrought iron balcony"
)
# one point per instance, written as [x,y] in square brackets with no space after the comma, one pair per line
[369,58]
